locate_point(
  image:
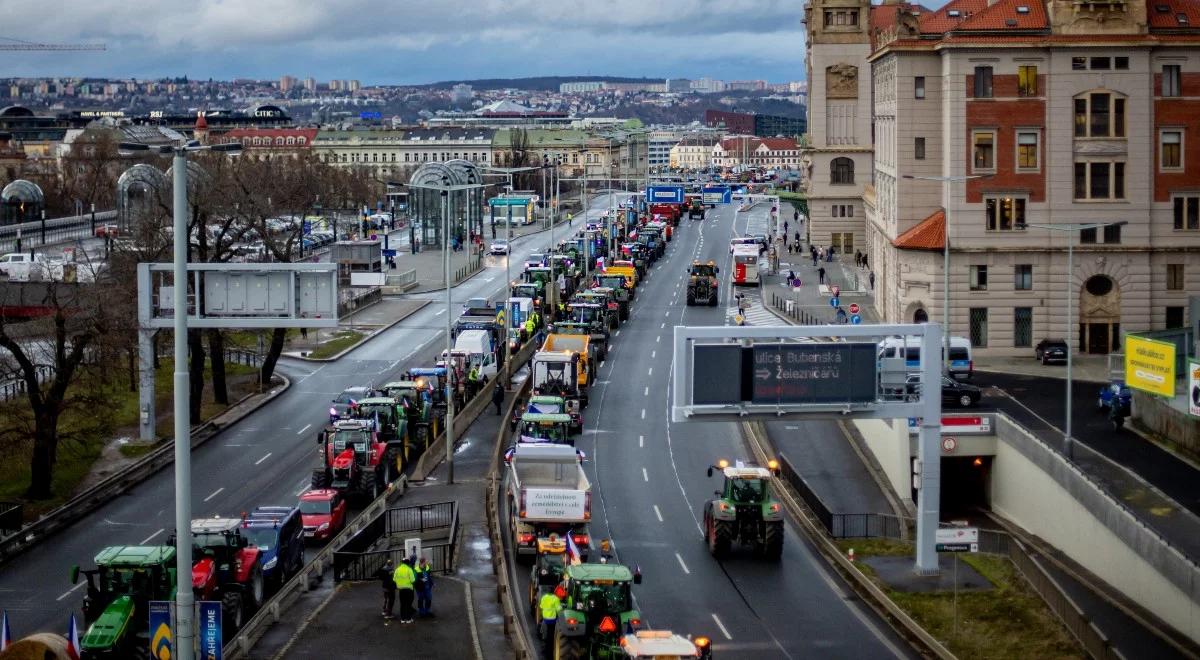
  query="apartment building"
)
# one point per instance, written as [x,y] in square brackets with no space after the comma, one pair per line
[993,117]
[395,152]
[774,153]
[693,153]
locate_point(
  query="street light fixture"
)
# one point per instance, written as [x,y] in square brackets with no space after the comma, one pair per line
[1071,230]
[184,600]
[945,261]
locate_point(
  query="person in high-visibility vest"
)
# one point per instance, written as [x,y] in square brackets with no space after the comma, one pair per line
[549,606]
[405,578]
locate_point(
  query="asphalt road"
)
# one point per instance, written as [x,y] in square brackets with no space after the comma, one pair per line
[649,489]
[265,459]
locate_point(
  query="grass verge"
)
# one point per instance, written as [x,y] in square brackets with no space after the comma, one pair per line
[342,340]
[1009,621]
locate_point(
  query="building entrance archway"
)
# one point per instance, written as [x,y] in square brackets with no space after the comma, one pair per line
[1100,315]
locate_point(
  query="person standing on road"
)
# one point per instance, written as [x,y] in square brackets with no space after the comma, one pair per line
[498,395]
[821,275]
[549,606]
[424,588]
[871,279]
[472,381]
[796,216]
[405,578]
[385,575]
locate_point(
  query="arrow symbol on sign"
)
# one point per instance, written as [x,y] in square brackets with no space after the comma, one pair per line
[762,374]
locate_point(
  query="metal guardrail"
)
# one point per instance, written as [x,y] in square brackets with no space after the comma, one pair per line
[29,235]
[358,300]
[11,516]
[15,388]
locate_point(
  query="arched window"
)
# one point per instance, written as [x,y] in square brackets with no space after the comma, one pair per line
[279,141]
[841,170]
[301,140]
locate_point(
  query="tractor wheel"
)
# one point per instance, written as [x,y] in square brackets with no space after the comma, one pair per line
[712,300]
[568,648]
[720,538]
[691,297]
[773,540]
[255,590]
[232,613]
[320,479]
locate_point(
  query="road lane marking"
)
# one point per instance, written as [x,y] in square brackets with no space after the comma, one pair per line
[645,475]
[440,312]
[658,339]
[668,314]
[643,413]
[724,630]
[302,491]
[301,431]
[652,354]
[263,458]
[656,512]
[147,539]
[214,493]
[618,333]
[641,440]
[661,326]
[71,591]
[647,391]
[650,372]
[685,568]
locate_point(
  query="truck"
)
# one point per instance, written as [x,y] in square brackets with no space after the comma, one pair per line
[579,338]
[482,352]
[670,212]
[561,373]
[664,645]
[549,493]
[120,588]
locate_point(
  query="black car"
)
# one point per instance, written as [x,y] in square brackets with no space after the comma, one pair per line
[954,392]
[1051,350]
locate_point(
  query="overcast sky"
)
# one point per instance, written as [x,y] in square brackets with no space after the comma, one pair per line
[410,41]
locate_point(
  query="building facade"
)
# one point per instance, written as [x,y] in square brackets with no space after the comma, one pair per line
[837,160]
[774,153]
[1022,113]
[693,153]
[397,152]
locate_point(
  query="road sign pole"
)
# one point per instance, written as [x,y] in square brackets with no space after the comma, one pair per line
[184,633]
[929,453]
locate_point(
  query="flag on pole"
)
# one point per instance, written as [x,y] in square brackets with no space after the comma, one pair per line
[572,549]
[73,639]
[5,632]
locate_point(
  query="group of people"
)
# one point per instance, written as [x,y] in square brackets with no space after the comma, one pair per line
[411,578]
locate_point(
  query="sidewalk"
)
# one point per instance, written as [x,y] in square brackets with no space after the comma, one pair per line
[468,621]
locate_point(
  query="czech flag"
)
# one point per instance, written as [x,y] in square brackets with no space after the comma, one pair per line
[5,632]
[572,550]
[73,639]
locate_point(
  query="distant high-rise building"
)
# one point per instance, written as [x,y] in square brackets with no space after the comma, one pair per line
[335,85]
[353,85]
[708,85]
[678,85]
[580,87]
[286,83]
[462,94]
[747,85]
[798,87]
[310,84]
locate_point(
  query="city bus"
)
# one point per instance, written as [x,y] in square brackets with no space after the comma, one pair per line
[745,264]
[520,209]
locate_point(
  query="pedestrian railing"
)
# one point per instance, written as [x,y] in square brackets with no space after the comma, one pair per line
[405,279]
[352,299]
[28,235]
[787,306]
[11,517]
[15,387]
[360,558]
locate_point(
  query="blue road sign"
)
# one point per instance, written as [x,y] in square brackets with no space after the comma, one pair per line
[856,319]
[307,227]
[835,302]
[211,643]
[389,253]
[664,194]
[716,195]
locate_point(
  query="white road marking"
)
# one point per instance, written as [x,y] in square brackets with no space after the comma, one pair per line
[683,565]
[656,512]
[650,372]
[658,339]
[301,431]
[667,314]
[661,326]
[645,475]
[641,440]
[263,458]
[652,354]
[302,491]
[724,630]
[214,493]
[647,391]
[643,413]
[70,591]
[440,312]
[147,539]
[618,333]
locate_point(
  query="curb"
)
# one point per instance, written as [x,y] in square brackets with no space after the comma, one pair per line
[381,330]
[132,475]
[1074,379]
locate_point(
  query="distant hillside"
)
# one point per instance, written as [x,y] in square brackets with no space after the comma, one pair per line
[538,83]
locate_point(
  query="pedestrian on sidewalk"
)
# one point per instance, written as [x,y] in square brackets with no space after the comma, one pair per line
[797,238]
[424,588]
[785,228]
[813,252]
[498,395]
[871,279]
[858,257]
[821,275]
[385,576]
[791,278]
[405,578]
[416,246]
[864,263]
[796,216]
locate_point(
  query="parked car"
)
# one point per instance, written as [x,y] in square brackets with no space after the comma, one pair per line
[499,246]
[323,512]
[954,392]
[1051,350]
[1116,391]
[357,393]
[107,231]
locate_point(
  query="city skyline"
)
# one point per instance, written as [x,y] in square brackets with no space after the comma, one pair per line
[455,41]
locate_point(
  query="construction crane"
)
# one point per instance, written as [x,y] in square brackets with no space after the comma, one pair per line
[19,44]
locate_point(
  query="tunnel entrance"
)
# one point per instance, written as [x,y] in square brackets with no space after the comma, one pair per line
[965,481]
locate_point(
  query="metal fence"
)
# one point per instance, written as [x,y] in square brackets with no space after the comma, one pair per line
[359,559]
[11,517]
[866,526]
[793,478]
[355,298]
[14,388]
[798,313]
[29,235]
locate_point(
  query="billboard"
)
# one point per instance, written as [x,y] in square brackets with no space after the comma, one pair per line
[1193,389]
[161,630]
[211,644]
[664,195]
[841,372]
[1150,365]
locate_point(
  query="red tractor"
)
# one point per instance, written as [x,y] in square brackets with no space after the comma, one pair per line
[354,461]
[670,213]
[227,568]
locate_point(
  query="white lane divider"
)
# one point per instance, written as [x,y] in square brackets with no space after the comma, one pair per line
[643,413]
[440,312]
[302,491]
[617,333]
[70,591]
[658,513]
[658,339]
[147,539]
[647,391]
[650,372]
[263,458]
[641,440]
[724,630]
[662,325]
[645,475]
[301,431]
[683,565]
[652,354]
[214,493]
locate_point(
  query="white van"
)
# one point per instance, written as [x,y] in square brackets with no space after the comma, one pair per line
[18,258]
[962,360]
[481,351]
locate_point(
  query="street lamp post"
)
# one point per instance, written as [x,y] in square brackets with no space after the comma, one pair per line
[1071,230]
[508,171]
[185,602]
[945,263]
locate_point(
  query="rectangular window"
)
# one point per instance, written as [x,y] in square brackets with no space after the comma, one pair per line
[979,326]
[1118,180]
[1005,213]
[919,148]
[1118,122]
[985,154]
[1077,63]
[1027,150]
[1174,317]
[979,278]
[1098,184]
[1022,327]
[1171,80]
[1027,80]
[919,87]
[1171,150]
[1081,117]
[828,18]
[1099,125]
[983,82]
[1112,234]
[1023,277]
[1087,236]
[1175,277]
[1101,63]
[1100,180]
[836,210]
[854,18]
[1121,63]
[1187,213]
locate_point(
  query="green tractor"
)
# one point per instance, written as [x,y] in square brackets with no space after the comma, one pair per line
[702,283]
[746,512]
[119,591]
[597,611]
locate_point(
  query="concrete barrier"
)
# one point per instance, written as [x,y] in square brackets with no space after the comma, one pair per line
[1165,421]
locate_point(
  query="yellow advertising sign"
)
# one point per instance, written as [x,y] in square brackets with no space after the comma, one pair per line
[1150,365]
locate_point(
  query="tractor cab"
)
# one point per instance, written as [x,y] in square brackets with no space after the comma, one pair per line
[664,645]
[227,567]
[554,428]
[384,413]
[125,580]
[745,511]
[548,569]
[597,612]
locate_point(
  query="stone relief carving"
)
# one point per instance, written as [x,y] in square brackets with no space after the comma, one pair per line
[841,81]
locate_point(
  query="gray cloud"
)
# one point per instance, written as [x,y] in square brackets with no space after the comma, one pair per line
[406,41]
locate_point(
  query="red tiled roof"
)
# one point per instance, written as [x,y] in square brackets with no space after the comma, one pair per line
[940,21]
[928,234]
[998,15]
[1168,19]
[309,133]
[779,144]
